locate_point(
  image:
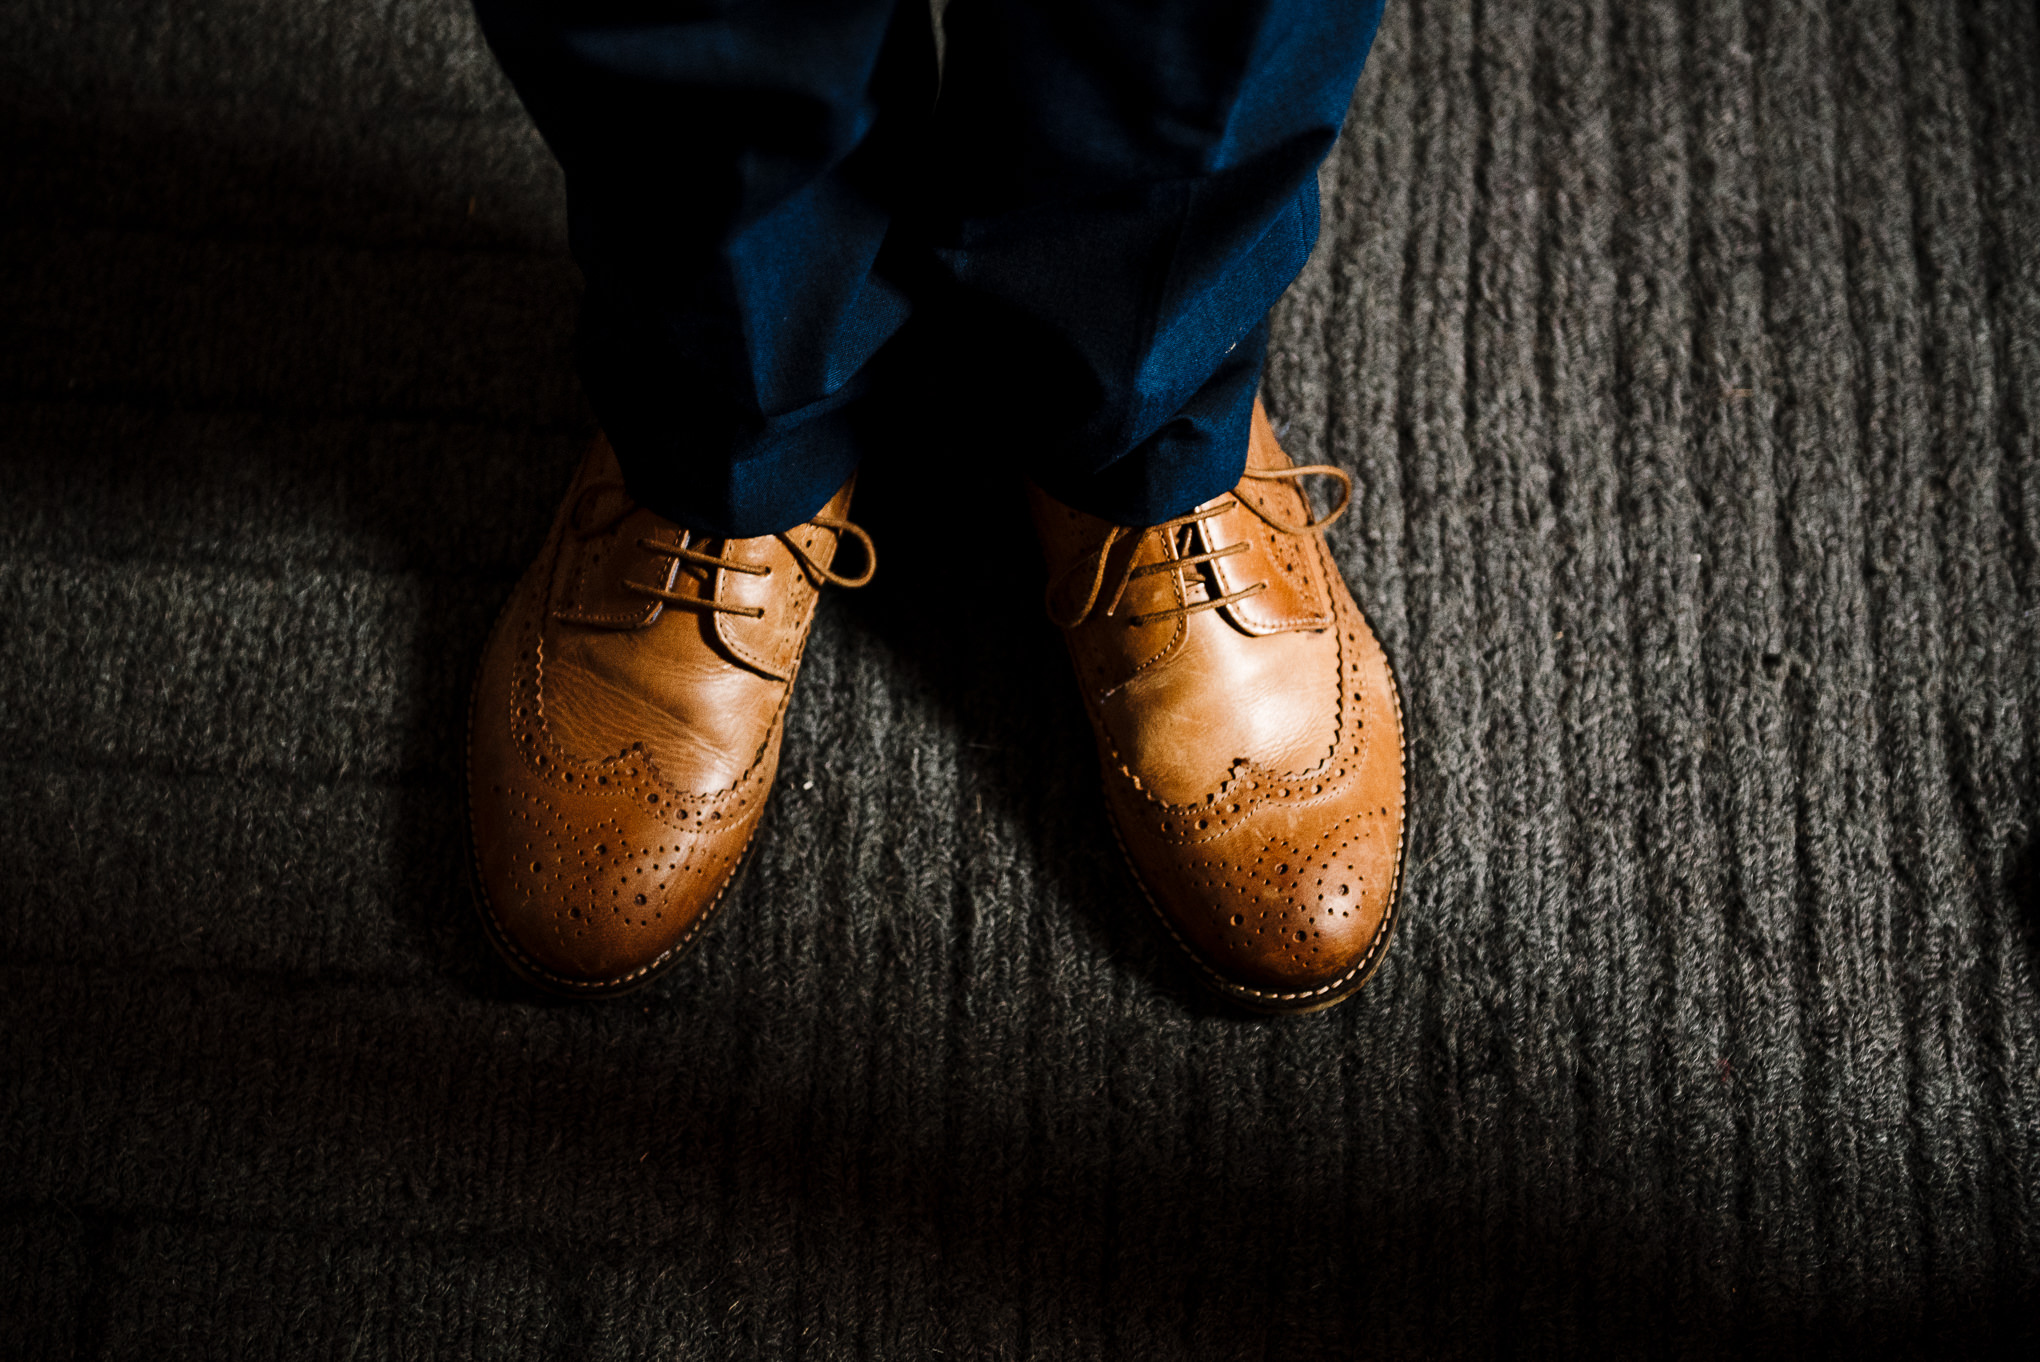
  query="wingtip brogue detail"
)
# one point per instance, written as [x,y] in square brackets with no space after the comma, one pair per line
[1251,741]
[621,748]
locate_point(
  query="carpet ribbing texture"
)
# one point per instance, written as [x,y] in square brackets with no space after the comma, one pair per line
[1687,357]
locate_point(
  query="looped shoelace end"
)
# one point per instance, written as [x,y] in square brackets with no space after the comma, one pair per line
[819,574]
[1098,558]
[1291,474]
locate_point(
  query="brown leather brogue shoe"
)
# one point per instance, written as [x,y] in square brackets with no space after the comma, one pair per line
[625,729]
[1249,729]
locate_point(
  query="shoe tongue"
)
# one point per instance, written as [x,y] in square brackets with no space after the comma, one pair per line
[607,561]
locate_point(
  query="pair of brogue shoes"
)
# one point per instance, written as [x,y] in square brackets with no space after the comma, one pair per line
[626,725]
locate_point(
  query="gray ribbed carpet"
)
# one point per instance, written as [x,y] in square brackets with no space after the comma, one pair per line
[1688,355]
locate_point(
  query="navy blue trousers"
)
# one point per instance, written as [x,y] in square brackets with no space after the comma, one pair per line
[796,246]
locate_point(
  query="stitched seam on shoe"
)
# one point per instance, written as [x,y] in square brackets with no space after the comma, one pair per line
[1348,671]
[500,934]
[658,777]
[504,942]
[664,958]
[748,656]
[1236,611]
[1391,911]
[1349,674]
[643,618]
[1375,945]
[1167,650]
[560,753]
[708,910]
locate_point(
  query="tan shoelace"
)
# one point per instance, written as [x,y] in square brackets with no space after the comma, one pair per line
[816,572]
[685,551]
[1099,558]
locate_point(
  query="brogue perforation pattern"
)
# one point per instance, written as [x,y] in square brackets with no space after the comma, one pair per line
[596,852]
[1249,787]
[1331,990]
[1301,892]
[547,759]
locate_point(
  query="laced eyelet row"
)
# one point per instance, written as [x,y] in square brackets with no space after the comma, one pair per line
[1100,557]
[817,572]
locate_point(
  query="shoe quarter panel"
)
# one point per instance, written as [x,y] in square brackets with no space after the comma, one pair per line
[602,578]
[1293,593]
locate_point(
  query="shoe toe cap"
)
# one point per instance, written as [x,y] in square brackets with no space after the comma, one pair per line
[1282,922]
[596,895]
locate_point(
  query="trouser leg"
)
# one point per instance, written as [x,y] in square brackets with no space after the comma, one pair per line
[731,171]
[1120,191]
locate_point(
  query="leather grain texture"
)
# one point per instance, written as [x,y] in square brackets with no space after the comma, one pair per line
[619,756]
[1253,765]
